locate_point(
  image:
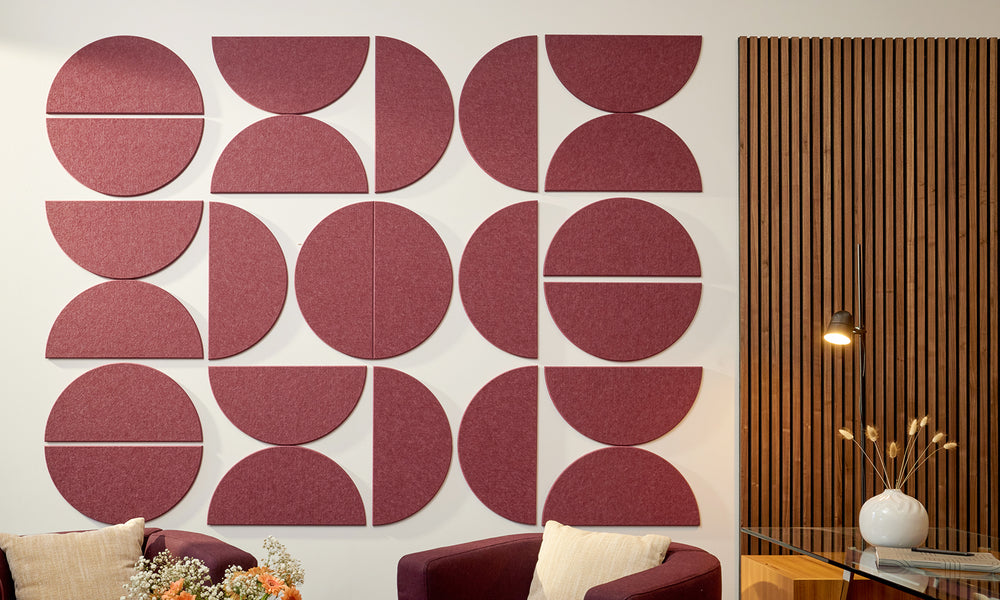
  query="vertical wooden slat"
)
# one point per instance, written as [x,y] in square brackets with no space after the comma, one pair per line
[891,142]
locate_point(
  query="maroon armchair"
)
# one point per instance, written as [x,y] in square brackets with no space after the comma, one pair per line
[501,568]
[216,554]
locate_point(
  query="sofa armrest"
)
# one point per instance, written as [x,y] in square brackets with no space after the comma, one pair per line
[216,554]
[686,572]
[498,568]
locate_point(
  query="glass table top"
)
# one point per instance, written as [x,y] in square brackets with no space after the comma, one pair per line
[843,547]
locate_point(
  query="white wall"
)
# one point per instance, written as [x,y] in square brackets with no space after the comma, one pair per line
[355,562]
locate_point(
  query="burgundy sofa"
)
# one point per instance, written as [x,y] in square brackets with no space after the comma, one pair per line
[501,569]
[216,554]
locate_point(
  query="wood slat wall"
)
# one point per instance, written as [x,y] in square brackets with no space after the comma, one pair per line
[891,143]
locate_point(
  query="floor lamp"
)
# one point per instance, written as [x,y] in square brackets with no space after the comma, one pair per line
[844,327]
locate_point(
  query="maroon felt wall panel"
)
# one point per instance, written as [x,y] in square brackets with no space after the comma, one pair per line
[247,280]
[621,486]
[112,484]
[498,279]
[123,239]
[333,279]
[623,406]
[287,405]
[123,402]
[414,114]
[127,75]
[413,280]
[290,75]
[289,154]
[124,319]
[498,444]
[622,237]
[498,113]
[623,152]
[622,321]
[124,157]
[623,73]
[411,448]
[286,485]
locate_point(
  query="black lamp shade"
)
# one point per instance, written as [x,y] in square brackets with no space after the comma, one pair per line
[841,328]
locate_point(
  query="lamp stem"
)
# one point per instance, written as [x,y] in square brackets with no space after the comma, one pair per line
[860,331]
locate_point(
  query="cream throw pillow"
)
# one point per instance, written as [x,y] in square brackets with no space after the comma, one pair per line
[571,561]
[91,564]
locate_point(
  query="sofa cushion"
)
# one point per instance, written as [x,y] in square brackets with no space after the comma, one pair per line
[571,561]
[88,564]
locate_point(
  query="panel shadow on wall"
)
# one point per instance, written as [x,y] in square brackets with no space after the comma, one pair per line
[891,143]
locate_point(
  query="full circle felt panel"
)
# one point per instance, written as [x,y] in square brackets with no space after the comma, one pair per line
[498,113]
[621,486]
[123,239]
[623,73]
[247,280]
[290,75]
[498,444]
[311,401]
[414,114]
[498,279]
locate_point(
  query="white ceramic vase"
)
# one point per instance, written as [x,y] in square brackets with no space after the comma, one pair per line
[893,519]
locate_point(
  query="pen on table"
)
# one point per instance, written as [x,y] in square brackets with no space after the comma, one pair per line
[948,552]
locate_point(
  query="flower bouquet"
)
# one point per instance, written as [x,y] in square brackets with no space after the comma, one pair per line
[167,577]
[891,475]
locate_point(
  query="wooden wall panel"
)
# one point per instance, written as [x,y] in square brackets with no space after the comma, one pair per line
[891,143]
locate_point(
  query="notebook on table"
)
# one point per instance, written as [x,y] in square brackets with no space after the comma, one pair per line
[928,559]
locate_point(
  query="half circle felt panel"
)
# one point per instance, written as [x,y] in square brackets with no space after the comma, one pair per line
[123,402]
[311,490]
[289,154]
[622,237]
[498,113]
[621,486]
[126,75]
[498,444]
[623,406]
[414,114]
[125,157]
[290,75]
[112,484]
[623,73]
[287,405]
[247,280]
[622,321]
[623,152]
[411,448]
[498,279]
[123,239]
[124,319]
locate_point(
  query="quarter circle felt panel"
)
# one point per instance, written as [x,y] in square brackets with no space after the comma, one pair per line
[414,114]
[247,280]
[333,279]
[124,319]
[623,406]
[286,485]
[498,279]
[498,113]
[125,75]
[289,154]
[623,73]
[123,239]
[287,405]
[123,402]
[112,484]
[125,157]
[290,75]
[622,321]
[411,450]
[622,237]
[498,445]
[626,153]
[620,487]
